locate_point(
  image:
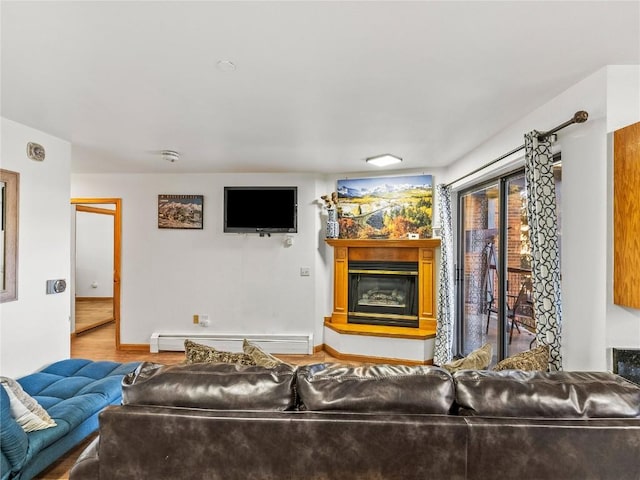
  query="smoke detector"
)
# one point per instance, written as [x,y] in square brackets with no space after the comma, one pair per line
[170,156]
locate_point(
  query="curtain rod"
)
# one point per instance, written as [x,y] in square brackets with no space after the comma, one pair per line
[578,117]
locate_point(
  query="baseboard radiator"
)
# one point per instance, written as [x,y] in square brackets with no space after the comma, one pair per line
[232,342]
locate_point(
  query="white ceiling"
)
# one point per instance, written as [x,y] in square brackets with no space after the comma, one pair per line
[318,86]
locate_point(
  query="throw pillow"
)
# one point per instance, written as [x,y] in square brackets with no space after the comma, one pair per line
[259,356]
[530,360]
[25,409]
[479,359]
[198,353]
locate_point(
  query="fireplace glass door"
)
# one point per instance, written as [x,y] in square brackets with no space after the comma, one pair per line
[383,294]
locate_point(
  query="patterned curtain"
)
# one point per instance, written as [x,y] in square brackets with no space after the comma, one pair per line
[444,327]
[543,234]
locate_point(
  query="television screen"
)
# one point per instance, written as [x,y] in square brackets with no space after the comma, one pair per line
[260,209]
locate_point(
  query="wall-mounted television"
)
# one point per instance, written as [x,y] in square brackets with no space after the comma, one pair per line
[261,209]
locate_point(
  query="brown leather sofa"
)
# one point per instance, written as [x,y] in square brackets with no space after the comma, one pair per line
[331,421]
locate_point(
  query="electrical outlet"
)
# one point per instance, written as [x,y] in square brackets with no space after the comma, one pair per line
[305,271]
[196,319]
[204,320]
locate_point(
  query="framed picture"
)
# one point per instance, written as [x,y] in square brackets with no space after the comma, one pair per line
[180,211]
[386,207]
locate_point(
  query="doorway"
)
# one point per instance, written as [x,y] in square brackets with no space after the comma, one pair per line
[96,289]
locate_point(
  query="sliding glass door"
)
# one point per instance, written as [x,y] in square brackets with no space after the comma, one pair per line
[494,267]
[478,260]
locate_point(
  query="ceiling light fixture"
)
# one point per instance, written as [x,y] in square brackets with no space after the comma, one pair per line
[170,156]
[226,65]
[383,160]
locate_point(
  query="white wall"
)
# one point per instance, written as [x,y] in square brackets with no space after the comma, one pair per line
[623,108]
[34,330]
[591,324]
[247,284]
[94,255]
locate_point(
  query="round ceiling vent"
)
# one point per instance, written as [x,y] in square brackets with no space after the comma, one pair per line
[170,155]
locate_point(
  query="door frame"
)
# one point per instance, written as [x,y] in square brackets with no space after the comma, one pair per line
[461,267]
[117,248]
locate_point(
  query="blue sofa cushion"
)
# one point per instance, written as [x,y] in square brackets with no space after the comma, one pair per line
[78,372]
[5,467]
[13,439]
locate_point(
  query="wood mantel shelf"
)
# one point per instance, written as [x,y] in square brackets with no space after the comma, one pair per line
[421,251]
[369,243]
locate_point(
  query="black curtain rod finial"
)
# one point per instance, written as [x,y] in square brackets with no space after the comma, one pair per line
[580,117]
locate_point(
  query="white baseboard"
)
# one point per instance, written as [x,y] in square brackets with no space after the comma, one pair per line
[232,342]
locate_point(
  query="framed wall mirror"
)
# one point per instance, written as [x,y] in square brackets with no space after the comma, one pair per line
[10,184]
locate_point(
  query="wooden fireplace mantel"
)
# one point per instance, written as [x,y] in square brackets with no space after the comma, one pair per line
[421,251]
[369,243]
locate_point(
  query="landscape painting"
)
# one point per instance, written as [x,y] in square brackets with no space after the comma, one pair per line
[180,211]
[386,207]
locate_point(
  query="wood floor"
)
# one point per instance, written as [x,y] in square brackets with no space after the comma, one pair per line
[93,312]
[99,344]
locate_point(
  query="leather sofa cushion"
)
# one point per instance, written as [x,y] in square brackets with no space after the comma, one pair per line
[375,388]
[221,386]
[517,393]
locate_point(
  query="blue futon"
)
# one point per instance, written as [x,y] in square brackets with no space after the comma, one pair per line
[73,392]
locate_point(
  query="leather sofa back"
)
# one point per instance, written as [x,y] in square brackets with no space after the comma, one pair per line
[516,393]
[383,389]
[160,443]
[375,388]
[221,386]
[367,427]
[552,448]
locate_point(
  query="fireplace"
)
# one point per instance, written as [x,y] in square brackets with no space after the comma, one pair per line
[384,300]
[384,286]
[626,363]
[383,293]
